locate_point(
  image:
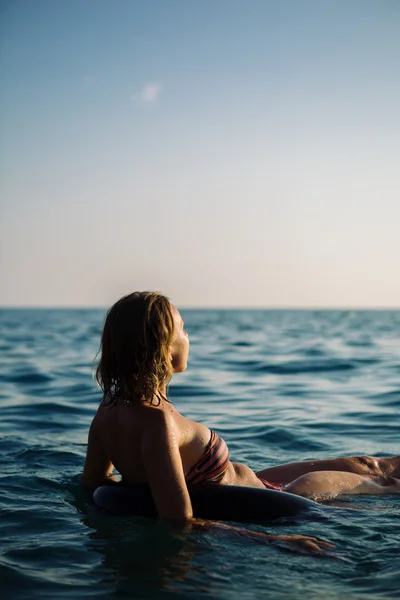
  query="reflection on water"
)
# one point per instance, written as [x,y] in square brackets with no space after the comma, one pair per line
[140,556]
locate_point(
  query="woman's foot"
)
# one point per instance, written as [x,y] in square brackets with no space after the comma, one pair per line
[391,466]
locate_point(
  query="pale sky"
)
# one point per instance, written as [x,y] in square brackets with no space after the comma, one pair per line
[226,153]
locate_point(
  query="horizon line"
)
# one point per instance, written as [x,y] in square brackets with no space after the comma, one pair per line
[200,307]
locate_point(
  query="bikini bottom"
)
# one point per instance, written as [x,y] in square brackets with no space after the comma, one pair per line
[271,486]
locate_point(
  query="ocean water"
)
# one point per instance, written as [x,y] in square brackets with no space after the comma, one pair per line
[279,386]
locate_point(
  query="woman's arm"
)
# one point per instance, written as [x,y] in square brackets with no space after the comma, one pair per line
[98,468]
[294,542]
[163,465]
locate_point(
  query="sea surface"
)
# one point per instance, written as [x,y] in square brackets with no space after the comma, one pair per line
[278,386]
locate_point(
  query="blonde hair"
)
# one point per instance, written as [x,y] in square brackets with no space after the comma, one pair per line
[135,346]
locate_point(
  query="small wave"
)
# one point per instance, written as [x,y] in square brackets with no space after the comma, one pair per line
[389,399]
[297,367]
[179,391]
[27,378]
[45,410]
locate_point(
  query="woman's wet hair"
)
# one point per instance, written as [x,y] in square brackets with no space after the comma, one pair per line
[135,360]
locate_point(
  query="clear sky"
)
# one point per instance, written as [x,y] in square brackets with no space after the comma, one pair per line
[226,153]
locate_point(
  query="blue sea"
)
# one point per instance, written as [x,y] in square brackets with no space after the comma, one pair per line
[278,386]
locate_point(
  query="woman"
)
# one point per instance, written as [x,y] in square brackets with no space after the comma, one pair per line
[137,429]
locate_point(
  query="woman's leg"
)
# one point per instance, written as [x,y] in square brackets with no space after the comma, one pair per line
[329,484]
[360,465]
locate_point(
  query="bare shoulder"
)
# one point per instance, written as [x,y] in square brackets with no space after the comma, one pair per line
[98,420]
[159,421]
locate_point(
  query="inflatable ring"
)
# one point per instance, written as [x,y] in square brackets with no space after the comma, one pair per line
[214,502]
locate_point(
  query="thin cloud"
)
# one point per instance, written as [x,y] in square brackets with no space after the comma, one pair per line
[149,94]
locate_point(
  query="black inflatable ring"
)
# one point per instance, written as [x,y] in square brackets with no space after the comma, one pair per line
[214,502]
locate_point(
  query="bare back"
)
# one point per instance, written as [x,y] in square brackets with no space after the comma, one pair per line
[121,428]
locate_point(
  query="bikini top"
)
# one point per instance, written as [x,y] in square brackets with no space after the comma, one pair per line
[212,465]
